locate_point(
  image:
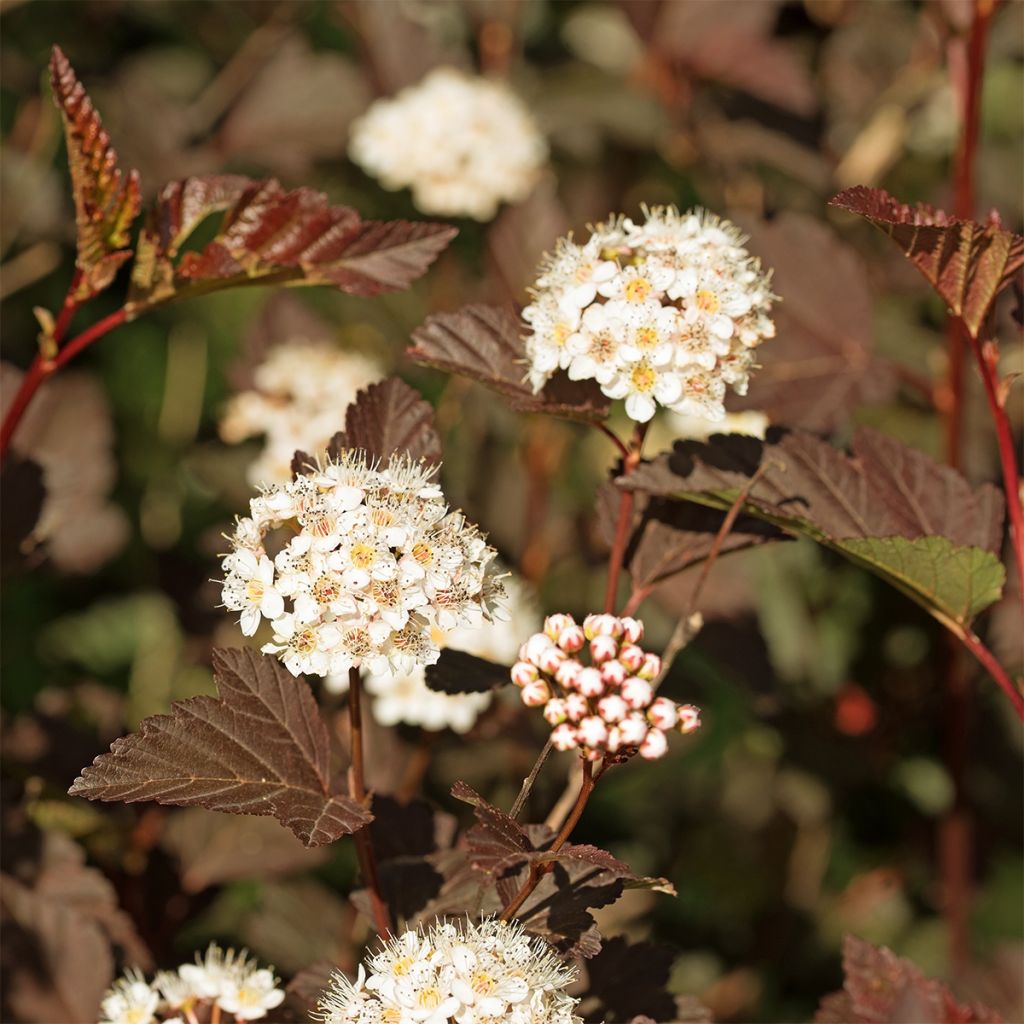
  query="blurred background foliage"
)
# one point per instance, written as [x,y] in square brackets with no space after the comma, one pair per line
[811,802]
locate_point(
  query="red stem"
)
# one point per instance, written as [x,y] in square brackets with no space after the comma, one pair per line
[537,871]
[973,643]
[357,786]
[625,521]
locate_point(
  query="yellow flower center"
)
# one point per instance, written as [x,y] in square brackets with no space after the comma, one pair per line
[429,998]
[482,983]
[559,333]
[708,301]
[423,553]
[363,556]
[305,642]
[638,289]
[254,590]
[646,337]
[643,377]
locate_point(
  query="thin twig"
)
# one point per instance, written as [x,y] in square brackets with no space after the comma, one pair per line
[524,791]
[625,520]
[357,787]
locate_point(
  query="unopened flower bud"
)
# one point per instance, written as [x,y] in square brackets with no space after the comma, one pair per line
[555,625]
[551,659]
[633,729]
[614,741]
[637,693]
[663,713]
[632,630]
[563,737]
[631,656]
[523,672]
[536,693]
[567,673]
[602,625]
[589,683]
[576,706]
[651,667]
[571,639]
[603,648]
[592,732]
[612,708]
[655,745]
[613,673]
[534,648]
[593,755]
[689,718]
[554,711]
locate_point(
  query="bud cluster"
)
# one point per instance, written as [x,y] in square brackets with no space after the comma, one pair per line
[606,707]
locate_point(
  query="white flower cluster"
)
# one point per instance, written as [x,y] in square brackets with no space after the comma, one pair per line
[296,394]
[606,708]
[666,312]
[405,697]
[377,561]
[466,973]
[220,981]
[462,143]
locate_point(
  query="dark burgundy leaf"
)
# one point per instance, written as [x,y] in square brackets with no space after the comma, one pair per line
[497,842]
[820,366]
[106,201]
[882,988]
[630,980]
[459,672]
[967,263]
[387,419]
[485,343]
[22,494]
[261,748]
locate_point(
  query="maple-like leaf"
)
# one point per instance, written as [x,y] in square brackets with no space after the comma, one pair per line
[107,201]
[820,367]
[485,343]
[967,263]
[882,988]
[389,418]
[271,235]
[260,748]
[459,672]
[916,523]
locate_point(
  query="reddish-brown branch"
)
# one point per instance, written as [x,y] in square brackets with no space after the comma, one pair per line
[357,787]
[537,871]
[988,660]
[625,521]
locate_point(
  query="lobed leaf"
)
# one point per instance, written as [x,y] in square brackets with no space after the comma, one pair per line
[881,987]
[914,522]
[269,234]
[386,419]
[260,748]
[967,263]
[106,200]
[485,343]
[459,672]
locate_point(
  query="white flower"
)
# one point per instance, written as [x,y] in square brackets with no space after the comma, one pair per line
[297,400]
[250,993]
[465,974]
[462,143]
[379,565]
[663,313]
[405,697]
[129,1001]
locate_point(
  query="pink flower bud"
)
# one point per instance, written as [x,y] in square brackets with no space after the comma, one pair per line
[592,732]
[593,755]
[631,656]
[614,741]
[589,683]
[534,648]
[603,648]
[571,639]
[536,693]
[637,693]
[612,708]
[654,745]
[576,707]
[633,729]
[663,713]
[554,711]
[613,673]
[632,630]
[602,625]
[563,737]
[567,673]
[523,672]
[689,718]
[550,660]
[555,625]
[651,667]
